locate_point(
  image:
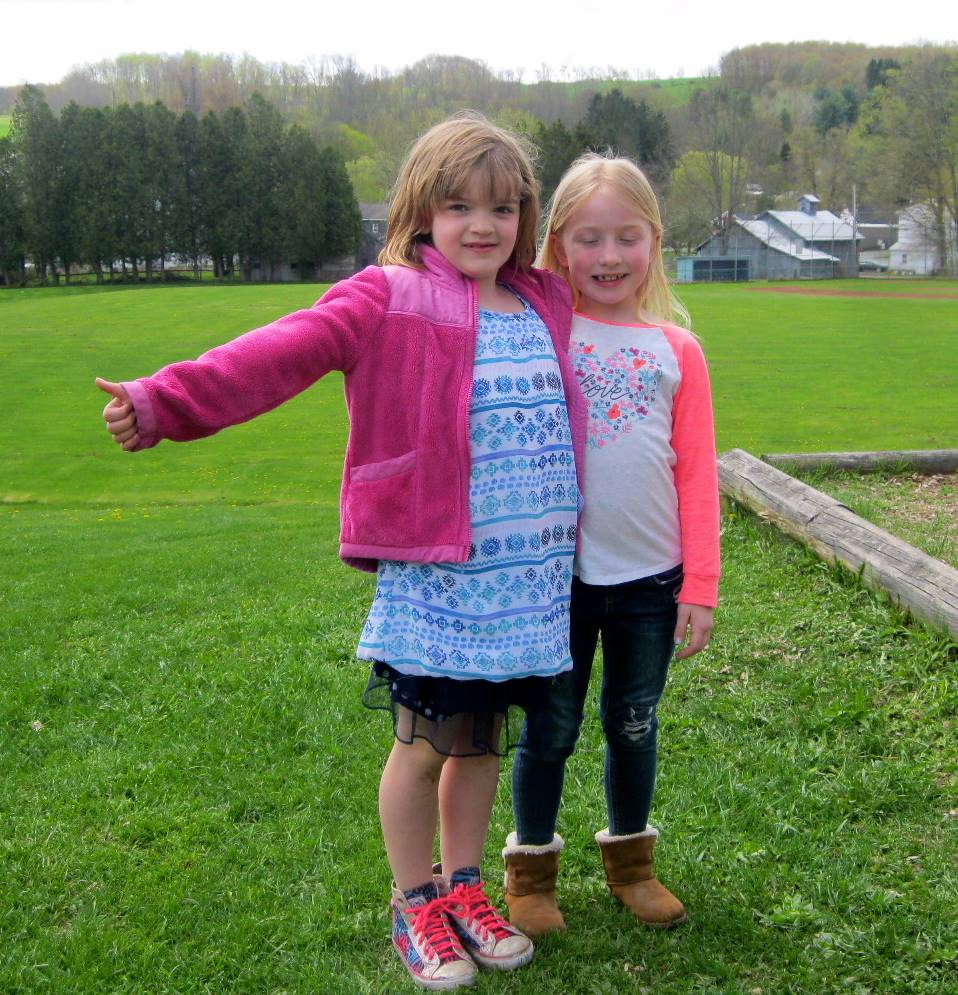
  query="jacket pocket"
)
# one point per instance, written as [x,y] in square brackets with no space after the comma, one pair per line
[382,469]
[379,503]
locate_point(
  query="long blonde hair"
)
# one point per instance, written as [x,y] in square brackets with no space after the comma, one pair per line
[439,167]
[621,176]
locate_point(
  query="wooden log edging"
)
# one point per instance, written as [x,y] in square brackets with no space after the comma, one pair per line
[926,461]
[914,580]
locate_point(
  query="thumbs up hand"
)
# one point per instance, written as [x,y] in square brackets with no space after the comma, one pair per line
[120,415]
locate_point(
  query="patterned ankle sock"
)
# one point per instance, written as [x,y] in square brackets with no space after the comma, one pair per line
[422,894]
[464,875]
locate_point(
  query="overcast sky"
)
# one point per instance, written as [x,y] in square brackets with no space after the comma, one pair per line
[43,39]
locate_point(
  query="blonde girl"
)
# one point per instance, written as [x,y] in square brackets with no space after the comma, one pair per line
[647,567]
[459,490]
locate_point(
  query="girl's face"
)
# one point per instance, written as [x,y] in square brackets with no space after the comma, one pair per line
[606,245]
[477,234]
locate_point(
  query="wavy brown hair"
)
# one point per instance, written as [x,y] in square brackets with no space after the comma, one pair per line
[441,165]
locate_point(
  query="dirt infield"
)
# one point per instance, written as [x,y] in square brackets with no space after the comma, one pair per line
[822,292]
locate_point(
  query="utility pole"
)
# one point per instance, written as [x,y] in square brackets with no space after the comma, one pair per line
[855,226]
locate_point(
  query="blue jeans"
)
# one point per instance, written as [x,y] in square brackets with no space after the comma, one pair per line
[636,621]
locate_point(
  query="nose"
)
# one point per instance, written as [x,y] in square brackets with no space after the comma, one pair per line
[482,222]
[609,254]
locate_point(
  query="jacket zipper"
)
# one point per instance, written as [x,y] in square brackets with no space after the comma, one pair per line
[474,331]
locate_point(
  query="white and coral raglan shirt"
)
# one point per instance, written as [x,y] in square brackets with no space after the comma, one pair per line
[651,487]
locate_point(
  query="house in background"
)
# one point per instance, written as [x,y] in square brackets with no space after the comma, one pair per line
[809,243]
[920,243]
[374,233]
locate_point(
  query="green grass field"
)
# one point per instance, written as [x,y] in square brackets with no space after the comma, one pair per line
[6,122]
[188,797]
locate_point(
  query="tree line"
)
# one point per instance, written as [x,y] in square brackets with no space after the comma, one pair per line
[873,128]
[116,189]
[124,189]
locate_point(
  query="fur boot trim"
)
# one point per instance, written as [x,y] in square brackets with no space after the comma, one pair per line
[513,846]
[604,836]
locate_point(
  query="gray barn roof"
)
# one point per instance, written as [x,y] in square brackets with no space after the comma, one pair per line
[776,239]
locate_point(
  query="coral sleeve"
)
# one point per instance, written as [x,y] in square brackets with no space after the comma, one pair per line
[263,368]
[696,472]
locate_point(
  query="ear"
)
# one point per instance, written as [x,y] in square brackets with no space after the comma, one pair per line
[559,250]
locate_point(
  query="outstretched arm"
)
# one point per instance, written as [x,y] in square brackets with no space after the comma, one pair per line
[252,374]
[120,415]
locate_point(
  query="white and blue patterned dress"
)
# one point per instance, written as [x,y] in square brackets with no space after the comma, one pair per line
[503,614]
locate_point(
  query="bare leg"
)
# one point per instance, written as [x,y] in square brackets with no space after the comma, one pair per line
[467,790]
[408,808]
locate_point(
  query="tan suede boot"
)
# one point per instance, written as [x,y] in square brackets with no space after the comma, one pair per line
[530,885]
[628,872]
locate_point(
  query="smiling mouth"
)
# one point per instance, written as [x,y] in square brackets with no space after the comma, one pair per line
[609,277]
[481,246]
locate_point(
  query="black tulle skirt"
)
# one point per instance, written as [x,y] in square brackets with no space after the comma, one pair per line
[459,718]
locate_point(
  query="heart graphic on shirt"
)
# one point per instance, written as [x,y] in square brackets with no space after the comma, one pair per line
[620,389]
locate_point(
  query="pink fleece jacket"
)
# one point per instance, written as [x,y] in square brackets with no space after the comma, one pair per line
[405,340]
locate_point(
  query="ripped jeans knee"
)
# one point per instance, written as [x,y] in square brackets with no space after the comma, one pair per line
[631,727]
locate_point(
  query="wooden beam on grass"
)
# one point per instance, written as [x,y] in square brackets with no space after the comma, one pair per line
[927,461]
[924,586]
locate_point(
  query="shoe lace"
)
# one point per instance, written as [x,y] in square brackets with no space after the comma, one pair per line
[430,922]
[475,907]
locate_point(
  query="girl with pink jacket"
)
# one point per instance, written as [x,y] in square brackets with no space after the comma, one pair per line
[459,489]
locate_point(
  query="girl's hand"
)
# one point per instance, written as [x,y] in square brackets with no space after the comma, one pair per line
[120,415]
[694,621]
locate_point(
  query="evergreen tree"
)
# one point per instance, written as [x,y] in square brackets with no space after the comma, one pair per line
[343,220]
[36,136]
[160,180]
[12,242]
[835,108]
[302,201]
[632,129]
[319,215]
[878,71]
[222,141]
[261,237]
[92,171]
[70,198]
[559,147]
[186,220]
[128,145]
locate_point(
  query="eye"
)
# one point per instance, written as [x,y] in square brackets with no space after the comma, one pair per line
[505,209]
